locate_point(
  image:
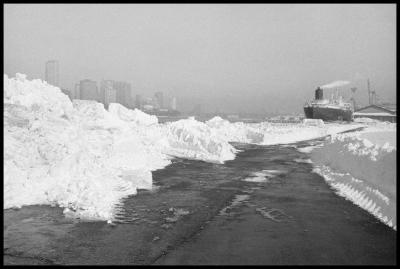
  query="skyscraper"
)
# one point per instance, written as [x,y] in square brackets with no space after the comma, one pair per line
[123,93]
[173,103]
[139,102]
[77,94]
[88,90]
[51,73]
[159,100]
[109,92]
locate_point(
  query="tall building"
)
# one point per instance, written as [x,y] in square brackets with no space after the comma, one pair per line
[108,92]
[77,94]
[139,101]
[148,104]
[173,103]
[159,100]
[88,90]
[51,72]
[123,93]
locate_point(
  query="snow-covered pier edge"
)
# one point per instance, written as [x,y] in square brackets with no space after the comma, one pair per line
[361,167]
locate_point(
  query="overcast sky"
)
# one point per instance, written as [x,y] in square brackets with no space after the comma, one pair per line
[235,57]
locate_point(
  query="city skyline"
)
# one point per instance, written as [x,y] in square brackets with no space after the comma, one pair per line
[111,91]
[250,58]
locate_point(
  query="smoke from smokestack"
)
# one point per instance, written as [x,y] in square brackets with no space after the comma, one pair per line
[337,83]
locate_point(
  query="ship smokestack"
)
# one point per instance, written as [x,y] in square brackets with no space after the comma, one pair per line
[319,94]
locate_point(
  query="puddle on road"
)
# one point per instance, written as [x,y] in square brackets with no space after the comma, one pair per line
[176,214]
[273,214]
[300,160]
[264,175]
[238,200]
[308,149]
[257,177]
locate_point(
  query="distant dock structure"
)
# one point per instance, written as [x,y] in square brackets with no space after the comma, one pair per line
[382,112]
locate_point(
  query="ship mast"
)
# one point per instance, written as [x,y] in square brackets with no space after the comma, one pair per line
[337,96]
[353,90]
[371,94]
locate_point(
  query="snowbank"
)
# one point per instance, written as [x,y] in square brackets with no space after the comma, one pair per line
[135,115]
[368,158]
[236,132]
[267,133]
[195,140]
[378,132]
[84,158]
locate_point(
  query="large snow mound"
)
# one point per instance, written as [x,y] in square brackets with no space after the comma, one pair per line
[235,132]
[193,139]
[135,115]
[82,157]
[361,166]
[35,95]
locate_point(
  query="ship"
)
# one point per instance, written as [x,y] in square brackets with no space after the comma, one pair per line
[328,110]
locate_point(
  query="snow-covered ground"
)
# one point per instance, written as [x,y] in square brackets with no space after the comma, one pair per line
[84,158]
[267,133]
[361,166]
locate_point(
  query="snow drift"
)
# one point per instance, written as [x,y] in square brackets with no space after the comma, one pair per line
[361,166]
[266,133]
[83,158]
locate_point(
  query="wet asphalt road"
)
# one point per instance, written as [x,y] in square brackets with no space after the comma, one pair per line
[203,213]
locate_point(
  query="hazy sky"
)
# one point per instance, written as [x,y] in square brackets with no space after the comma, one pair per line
[235,57]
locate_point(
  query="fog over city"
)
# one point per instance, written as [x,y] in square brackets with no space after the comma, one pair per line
[226,57]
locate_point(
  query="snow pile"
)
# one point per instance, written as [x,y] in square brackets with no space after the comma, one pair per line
[84,158]
[192,139]
[373,141]
[236,132]
[360,193]
[292,133]
[380,133]
[368,156]
[313,122]
[129,115]
[359,146]
[36,95]
[50,160]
